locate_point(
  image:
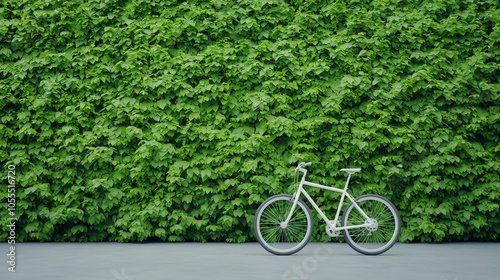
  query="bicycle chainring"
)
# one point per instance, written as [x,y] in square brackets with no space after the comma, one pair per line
[331,232]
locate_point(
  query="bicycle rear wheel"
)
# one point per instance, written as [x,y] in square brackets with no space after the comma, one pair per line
[384,231]
[268,225]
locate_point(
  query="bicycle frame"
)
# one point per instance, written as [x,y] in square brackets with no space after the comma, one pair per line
[344,193]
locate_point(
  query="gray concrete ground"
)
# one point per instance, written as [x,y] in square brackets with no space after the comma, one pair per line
[149,261]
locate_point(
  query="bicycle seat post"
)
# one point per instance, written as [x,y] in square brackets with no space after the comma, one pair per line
[349,171]
[347,182]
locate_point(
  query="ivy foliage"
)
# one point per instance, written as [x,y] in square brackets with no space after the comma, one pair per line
[133,120]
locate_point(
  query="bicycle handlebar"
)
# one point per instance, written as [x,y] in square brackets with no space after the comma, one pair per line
[304,164]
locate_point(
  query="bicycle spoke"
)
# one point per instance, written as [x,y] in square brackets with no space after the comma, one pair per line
[290,238]
[372,240]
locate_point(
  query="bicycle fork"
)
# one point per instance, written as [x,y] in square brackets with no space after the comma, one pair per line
[295,197]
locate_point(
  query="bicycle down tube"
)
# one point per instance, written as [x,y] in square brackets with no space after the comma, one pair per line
[344,193]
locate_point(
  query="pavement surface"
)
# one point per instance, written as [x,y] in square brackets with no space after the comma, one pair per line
[149,261]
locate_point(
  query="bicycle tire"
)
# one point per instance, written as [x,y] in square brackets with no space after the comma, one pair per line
[372,240]
[267,225]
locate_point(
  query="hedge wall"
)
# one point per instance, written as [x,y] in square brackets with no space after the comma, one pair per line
[173,120]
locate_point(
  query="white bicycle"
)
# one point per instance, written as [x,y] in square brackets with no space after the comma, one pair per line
[283,223]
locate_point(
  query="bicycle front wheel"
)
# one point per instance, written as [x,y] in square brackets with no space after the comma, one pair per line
[384,228]
[276,237]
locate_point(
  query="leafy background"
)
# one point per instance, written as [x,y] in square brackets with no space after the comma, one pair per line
[173,120]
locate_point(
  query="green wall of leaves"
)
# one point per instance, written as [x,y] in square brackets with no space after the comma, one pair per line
[173,120]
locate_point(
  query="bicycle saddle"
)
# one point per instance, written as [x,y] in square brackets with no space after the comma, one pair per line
[351,170]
